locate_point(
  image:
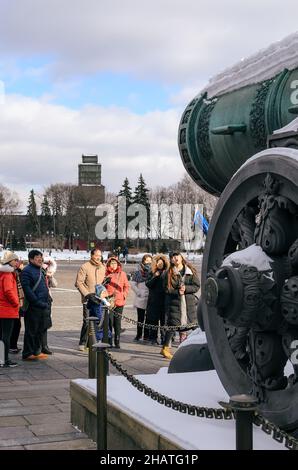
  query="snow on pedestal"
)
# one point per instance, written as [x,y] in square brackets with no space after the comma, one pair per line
[188,432]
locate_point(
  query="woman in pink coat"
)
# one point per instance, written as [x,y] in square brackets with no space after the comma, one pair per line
[118,287]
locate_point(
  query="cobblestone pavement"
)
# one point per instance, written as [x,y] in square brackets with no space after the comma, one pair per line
[34,397]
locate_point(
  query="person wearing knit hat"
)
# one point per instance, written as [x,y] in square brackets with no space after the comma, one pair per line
[9,302]
[8,257]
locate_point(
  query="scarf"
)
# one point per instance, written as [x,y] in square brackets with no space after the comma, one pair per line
[20,290]
[141,275]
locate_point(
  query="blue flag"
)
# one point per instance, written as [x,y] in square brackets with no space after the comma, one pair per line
[201,221]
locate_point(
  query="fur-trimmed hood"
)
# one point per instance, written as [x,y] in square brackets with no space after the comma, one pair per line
[155,260]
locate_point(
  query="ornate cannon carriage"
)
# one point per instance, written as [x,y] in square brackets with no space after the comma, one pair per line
[239,139]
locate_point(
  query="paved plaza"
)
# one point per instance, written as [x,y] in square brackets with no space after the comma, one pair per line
[34,397]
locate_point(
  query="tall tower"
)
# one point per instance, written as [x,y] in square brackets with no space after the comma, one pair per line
[90,190]
[89,171]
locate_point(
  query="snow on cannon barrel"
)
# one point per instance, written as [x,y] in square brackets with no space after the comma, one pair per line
[229,121]
[239,139]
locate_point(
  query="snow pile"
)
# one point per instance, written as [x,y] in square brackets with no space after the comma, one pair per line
[266,63]
[251,256]
[189,432]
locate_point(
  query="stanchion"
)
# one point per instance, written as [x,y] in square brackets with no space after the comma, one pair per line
[244,406]
[101,395]
[105,338]
[91,352]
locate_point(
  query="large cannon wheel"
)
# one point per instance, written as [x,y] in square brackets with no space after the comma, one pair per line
[242,193]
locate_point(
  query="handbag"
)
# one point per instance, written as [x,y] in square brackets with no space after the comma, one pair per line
[25,306]
[52,282]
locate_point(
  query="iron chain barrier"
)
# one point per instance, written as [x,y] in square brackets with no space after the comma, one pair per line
[225,413]
[155,327]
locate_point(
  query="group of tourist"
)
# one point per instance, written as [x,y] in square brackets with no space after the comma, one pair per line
[165,294]
[25,291]
[112,283]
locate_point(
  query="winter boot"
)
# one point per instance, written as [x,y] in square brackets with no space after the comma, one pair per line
[166,352]
[117,342]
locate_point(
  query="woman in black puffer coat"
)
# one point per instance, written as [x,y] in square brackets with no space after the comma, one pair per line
[155,313]
[181,285]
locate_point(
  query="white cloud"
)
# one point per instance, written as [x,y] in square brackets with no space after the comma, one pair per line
[165,39]
[42,143]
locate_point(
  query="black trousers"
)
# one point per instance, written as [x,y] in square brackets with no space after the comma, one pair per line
[36,323]
[141,319]
[15,333]
[155,317]
[84,329]
[115,322]
[6,326]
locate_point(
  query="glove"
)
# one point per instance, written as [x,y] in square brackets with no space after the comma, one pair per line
[93,298]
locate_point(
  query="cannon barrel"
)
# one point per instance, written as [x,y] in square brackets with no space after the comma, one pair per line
[217,134]
[249,272]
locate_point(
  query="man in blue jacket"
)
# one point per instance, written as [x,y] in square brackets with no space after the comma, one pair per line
[37,317]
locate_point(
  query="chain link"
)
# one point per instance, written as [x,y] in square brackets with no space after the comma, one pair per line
[275,432]
[185,408]
[226,413]
[156,327]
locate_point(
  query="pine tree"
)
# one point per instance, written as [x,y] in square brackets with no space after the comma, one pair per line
[141,197]
[45,215]
[33,222]
[141,193]
[126,191]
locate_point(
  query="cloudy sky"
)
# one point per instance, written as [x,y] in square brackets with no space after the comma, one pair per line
[113,77]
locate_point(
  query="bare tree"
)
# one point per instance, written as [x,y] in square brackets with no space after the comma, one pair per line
[9,205]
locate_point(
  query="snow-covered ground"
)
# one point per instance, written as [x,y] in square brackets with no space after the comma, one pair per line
[69,255]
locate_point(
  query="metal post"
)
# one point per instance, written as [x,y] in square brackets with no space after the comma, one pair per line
[2,353]
[105,338]
[244,406]
[91,352]
[101,395]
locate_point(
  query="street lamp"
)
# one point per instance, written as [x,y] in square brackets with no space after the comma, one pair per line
[75,237]
[28,235]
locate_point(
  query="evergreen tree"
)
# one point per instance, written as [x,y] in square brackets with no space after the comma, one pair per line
[141,197]
[126,192]
[33,222]
[141,193]
[45,215]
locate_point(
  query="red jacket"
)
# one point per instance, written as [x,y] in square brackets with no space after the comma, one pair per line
[119,285]
[9,299]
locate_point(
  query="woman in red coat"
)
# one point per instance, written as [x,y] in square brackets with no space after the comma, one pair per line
[9,302]
[118,287]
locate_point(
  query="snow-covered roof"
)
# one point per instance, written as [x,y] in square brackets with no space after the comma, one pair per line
[265,64]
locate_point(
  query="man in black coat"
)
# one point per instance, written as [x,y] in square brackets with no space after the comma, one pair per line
[37,316]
